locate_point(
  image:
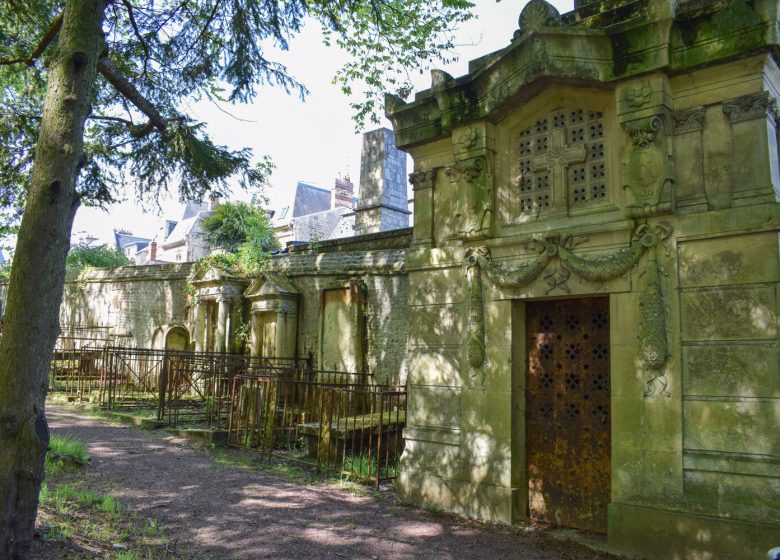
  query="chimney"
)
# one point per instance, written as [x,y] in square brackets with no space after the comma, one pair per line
[343,192]
[383,203]
[153,251]
[214,200]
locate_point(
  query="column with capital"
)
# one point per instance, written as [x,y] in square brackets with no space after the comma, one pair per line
[199,330]
[222,324]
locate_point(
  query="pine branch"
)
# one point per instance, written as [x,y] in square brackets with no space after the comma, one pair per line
[44,42]
[144,45]
[112,74]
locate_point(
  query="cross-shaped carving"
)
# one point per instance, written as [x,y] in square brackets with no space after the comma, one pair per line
[556,161]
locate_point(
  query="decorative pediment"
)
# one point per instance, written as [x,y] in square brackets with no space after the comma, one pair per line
[270,285]
[214,283]
[597,43]
[212,275]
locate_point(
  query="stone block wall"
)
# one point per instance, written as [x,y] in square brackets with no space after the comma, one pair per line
[134,300]
[377,265]
[140,303]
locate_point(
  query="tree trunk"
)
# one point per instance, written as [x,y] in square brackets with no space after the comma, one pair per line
[38,272]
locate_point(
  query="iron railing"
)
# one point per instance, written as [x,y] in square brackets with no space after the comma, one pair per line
[181,386]
[355,430]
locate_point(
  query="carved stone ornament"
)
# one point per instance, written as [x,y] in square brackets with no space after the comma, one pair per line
[688,120]
[475,188]
[653,346]
[751,106]
[423,179]
[475,324]
[536,14]
[652,330]
[647,169]
[595,269]
[637,97]
[643,131]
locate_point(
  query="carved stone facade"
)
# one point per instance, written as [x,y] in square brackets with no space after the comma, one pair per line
[616,152]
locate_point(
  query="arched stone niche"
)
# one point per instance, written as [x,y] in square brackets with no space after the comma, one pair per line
[217,310]
[274,310]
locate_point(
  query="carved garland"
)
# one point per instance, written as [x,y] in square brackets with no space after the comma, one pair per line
[652,328]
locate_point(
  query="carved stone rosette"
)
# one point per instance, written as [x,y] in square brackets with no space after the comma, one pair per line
[537,14]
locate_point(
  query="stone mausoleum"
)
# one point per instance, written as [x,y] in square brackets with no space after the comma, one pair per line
[593,278]
[585,310]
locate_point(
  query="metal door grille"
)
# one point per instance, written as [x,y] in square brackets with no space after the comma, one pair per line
[568,412]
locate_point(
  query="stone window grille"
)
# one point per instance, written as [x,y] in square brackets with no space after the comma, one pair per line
[586,179]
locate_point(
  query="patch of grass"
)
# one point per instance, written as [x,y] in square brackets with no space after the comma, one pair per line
[364,467]
[66,445]
[91,521]
[64,452]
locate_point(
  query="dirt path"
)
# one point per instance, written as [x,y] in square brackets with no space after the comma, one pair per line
[211,510]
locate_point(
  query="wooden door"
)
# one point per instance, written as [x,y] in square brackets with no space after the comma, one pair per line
[568,412]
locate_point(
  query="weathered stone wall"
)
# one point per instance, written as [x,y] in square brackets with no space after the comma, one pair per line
[135,301]
[138,301]
[381,273]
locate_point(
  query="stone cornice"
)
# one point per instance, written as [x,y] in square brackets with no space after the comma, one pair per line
[595,49]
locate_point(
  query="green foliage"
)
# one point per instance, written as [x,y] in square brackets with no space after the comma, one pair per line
[174,52]
[366,468]
[66,445]
[244,232]
[232,224]
[63,452]
[81,257]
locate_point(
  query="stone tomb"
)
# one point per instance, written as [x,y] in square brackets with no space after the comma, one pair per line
[593,278]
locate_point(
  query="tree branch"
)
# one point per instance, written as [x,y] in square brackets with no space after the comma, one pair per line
[44,42]
[137,32]
[111,73]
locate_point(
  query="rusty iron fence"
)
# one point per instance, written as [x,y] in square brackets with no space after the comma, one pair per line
[355,430]
[77,359]
[75,366]
[180,386]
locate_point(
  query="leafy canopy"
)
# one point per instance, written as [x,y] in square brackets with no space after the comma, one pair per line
[232,224]
[161,55]
[244,232]
[81,257]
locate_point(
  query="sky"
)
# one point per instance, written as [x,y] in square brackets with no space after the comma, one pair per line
[312,141]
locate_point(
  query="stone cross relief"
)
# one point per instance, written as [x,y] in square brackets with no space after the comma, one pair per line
[556,161]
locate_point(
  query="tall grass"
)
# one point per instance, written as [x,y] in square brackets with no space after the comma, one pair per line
[63,451]
[361,467]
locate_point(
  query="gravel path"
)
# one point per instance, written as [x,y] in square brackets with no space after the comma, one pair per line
[210,510]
